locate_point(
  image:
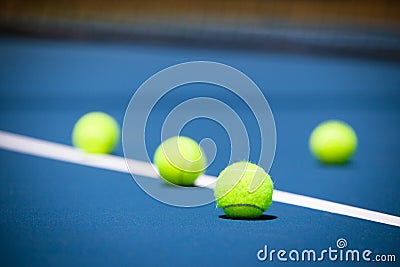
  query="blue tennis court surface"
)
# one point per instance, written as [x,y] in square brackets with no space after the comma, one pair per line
[60,213]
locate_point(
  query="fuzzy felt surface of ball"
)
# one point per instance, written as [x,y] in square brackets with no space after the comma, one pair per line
[243,190]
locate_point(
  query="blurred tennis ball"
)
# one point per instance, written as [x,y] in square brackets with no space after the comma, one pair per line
[180,160]
[244,190]
[333,142]
[96,132]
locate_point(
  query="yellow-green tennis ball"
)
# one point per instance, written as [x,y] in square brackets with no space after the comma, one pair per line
[96,132]
[243,190]
[333,142]
[180,160]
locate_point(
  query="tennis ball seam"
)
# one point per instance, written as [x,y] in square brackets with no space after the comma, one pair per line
[243,205]
[236,197]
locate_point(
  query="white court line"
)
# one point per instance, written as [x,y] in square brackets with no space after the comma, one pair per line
[46,149]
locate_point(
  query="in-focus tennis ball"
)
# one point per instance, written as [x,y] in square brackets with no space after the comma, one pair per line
[243,190]
[96,132]
[180,160]
[333,142]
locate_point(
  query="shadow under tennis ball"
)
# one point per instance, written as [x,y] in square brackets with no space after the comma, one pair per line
[263,217]
[351,164]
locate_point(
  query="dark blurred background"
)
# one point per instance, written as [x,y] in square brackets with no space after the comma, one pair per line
[359,28]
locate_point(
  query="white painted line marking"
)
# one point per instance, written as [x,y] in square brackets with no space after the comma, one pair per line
[51,150]
[333,207]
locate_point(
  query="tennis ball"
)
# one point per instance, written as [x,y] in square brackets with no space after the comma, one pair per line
[243,190]
[333,142]
[180,160]
[96,132]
